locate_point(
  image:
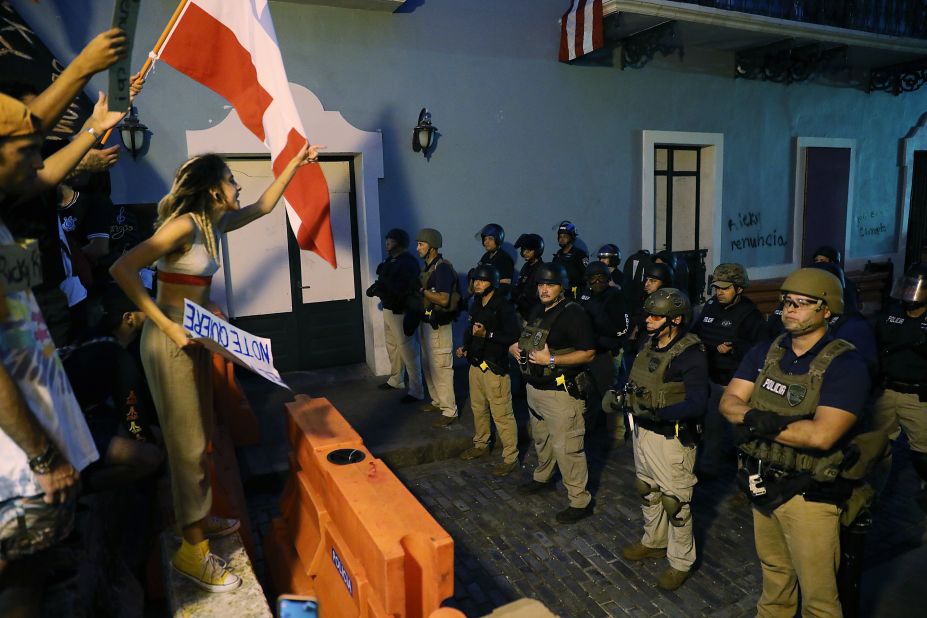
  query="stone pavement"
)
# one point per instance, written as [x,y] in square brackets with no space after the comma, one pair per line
[508,546]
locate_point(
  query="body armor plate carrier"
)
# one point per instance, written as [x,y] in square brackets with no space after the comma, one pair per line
[646,388]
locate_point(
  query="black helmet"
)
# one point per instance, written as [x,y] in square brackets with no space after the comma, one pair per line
[668,302]
[486,272]
[611,253]
[552,272]
[832,255]
[659,271]
[566,227]
[532,242]
[400,236]
[596,268]
[912,286]
[495,230]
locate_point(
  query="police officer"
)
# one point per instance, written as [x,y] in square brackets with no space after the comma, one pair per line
[573,259]
[799,398]
[492,236]
[555,345]
[605,305]
[493,327]
[397,278]
[656,275]
[441,299]
[667,392]
[902,336]
[525,291]
[729,326]
[610,255]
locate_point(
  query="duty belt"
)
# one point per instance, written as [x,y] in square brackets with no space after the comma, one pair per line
[762,468]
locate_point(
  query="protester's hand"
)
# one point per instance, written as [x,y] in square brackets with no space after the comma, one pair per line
[102,51]
[764,423]
[460,352]
[307,154]
[179,336]
[98,160]
[725,348]
[479,330]
[136,83]
[61,484]
[102,119]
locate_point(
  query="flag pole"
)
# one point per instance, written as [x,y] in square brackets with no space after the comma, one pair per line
[154,51]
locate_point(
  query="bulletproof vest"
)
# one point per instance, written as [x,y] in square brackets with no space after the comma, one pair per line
[794,395]
[898,336]
[534,337]
[648,391]
[595,306]
[454,303]
[719,325]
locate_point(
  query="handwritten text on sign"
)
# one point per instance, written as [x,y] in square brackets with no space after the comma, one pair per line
[20,265]
[233,343]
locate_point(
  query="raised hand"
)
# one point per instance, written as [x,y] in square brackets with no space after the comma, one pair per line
[102,51]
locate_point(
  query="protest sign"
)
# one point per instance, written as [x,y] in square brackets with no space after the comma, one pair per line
[20,265]
[125,16]
[233,343]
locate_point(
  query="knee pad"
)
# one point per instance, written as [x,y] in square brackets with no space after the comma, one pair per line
[673,505]
[645,489]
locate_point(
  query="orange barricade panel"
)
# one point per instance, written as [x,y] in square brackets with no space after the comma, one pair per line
[284,570]
[339,581]
[306,517]
[317,420]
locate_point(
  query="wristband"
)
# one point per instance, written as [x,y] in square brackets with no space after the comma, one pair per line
[93,132]
[45,462]
[552,362]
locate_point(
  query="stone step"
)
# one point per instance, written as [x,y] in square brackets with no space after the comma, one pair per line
[186,599]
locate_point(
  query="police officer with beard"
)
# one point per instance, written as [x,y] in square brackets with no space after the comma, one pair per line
[397,279]
[573,259]
[554,347]
[667,392]
[605,305]
[492,328]
[729,326]
[525,291]
[902,337]
[492,236]
[799,397]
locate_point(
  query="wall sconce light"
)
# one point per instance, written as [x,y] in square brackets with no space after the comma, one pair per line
[423,134]
[133,133]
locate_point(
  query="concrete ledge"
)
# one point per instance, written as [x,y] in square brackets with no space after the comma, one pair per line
[186,600]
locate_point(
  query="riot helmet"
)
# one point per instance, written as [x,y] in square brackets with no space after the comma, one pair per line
[554,273]
[659,271]
[495,230]
[532,242]
[911,287]
[826,253]
[400,236]
[566,227]
[611,254]
[486,272]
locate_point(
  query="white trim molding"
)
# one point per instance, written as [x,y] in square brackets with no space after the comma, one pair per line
[916,139]
[230,137]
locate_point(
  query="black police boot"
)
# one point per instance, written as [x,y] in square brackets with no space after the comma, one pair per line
[572,514]
[533,487]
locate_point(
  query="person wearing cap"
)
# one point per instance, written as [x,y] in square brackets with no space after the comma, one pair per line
[553,350]
[610,255]
[604,303]
[730,324]
[902,336]
[492,236]
[525,291]
[492,327]
[441,299]
[798,400]
[573,259]
[667,392]
[397,278]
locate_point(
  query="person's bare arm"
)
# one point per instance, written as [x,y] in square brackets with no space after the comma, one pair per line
[571,359]
[265,204]
[442,299]
[734,404]
[97,160]
[99,54]
[821,431]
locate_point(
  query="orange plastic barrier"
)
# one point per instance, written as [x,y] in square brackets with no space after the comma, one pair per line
[368,546]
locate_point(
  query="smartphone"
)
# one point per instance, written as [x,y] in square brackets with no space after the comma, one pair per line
[296,606]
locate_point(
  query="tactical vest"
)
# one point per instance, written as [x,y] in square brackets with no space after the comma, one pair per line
[595,307]
[453,306]
[718,325]
[647,390]
[484,353]
[899,335]
[794,395]
[534,337]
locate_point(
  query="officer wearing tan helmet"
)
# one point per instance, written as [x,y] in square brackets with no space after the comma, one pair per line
[799,399]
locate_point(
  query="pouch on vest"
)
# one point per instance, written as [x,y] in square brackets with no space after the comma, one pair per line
[860,499]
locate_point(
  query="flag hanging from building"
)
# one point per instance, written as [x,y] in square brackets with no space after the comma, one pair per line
[581,29]
[231,48]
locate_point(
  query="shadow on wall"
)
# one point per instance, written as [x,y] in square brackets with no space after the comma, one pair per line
[409,6]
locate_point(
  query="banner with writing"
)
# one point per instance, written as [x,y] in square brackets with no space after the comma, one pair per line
[20,265]
[125,16]
[233,343]
[25,59]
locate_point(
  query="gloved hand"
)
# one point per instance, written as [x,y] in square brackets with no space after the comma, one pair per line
[764,423]
[612,402]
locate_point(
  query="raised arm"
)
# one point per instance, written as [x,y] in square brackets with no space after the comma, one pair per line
[242,217]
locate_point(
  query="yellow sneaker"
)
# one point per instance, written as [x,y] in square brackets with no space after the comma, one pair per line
[203,568]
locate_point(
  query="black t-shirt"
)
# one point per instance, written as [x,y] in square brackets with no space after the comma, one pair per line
[37,217]
[124,233]
[571,329]
[87,217]
[501,324]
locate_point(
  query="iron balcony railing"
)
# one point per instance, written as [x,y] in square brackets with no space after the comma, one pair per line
[902,18]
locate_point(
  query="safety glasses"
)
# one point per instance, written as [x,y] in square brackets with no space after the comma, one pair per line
[800,303]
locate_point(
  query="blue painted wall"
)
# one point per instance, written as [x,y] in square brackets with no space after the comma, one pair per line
[525,141]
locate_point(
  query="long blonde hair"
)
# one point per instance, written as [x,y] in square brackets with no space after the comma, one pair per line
[196,183]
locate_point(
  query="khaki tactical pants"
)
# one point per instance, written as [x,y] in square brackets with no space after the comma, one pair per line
[798,545]
[895,411]
[438,365]
[667,465]
[491,394]
[404,358]
[558,439]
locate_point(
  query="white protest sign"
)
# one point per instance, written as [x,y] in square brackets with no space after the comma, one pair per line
[20,265]
[233,343]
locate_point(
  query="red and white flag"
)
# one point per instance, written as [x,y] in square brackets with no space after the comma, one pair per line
[581,29]
[231,48]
